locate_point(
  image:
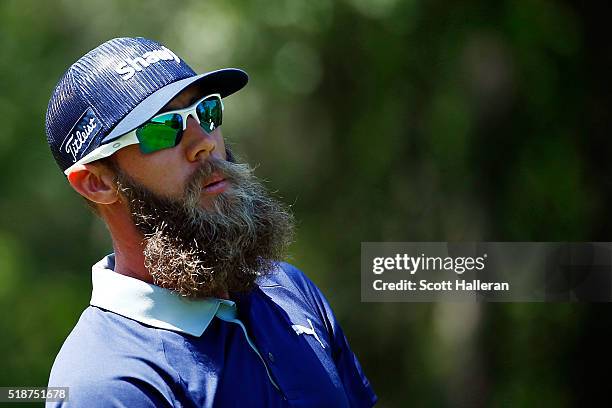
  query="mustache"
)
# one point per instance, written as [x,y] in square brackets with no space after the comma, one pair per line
[213,166]
[232,172]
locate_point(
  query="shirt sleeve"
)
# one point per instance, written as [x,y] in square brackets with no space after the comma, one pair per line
[358,389]
[117,393]
[106,369]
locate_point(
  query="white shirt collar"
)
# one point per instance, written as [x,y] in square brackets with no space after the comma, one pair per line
[150,304]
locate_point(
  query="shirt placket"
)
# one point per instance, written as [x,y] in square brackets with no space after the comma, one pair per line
[227,313]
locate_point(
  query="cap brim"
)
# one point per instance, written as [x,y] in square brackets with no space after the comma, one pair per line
[223,81]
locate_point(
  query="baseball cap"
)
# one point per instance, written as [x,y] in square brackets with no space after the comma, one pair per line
[117,87]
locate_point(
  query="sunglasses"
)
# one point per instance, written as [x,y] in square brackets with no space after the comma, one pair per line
[164,130]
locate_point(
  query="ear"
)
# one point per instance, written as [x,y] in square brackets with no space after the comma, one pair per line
[94,182]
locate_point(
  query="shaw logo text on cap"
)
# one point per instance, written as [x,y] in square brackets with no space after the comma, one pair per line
[128,68]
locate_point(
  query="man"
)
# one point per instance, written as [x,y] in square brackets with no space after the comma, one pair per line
[191,309]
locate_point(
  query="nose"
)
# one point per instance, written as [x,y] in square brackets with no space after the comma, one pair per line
[199,145]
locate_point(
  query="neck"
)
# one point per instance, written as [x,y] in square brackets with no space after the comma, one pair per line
[128,243]
[129,260]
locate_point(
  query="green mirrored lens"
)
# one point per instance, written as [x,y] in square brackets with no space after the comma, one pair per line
[159,133]
[210,113]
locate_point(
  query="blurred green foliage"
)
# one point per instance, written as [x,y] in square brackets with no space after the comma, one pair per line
[377,120]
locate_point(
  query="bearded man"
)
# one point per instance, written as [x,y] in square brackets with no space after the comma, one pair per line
[194,307]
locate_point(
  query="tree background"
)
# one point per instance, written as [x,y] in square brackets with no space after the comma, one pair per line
[377,120]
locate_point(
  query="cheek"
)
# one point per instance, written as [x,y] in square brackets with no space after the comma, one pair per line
[220,146]
[160,172]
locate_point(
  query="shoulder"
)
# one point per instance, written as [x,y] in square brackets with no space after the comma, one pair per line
[291,277]
[301,289]
[100,335]
[107,361]
[293,280]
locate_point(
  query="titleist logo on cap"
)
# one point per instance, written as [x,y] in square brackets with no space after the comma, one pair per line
[129,67]
[81,134]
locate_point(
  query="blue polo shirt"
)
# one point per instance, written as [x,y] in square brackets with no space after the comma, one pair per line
[139,345]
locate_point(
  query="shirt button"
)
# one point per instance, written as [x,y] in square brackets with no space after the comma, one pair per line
[271,357]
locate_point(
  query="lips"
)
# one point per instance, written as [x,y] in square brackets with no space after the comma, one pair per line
[215,184]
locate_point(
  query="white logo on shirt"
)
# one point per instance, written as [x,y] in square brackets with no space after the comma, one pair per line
[305,330]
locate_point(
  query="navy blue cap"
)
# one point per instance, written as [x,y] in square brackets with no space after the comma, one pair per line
[115,88]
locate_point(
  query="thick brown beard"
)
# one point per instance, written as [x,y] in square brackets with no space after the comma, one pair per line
[199,252]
